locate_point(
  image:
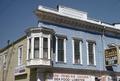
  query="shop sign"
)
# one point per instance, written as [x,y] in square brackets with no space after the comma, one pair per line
[19,70]
[69,77]
[111,56]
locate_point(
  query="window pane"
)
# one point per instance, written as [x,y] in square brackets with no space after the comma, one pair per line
[60,49]
[36,43]
[5,62]
[60,55]
[91,53]
[36,47]
[20,49]
[76,51]
[36,53]
[60,44]
[29,50]
[45,48]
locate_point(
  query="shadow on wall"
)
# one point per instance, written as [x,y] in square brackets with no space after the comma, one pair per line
[24,76]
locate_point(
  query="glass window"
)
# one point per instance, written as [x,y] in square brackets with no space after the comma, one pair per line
[5,61]
[76,51]
[0,61]
[36,47]
[91,53]
[45,48]
[29,50]
[20,53]
[61,50]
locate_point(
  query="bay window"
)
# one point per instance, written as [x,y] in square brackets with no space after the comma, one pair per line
[39,46]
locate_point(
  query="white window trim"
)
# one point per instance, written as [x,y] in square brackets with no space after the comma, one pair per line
[64,49]
[28,48]
[94,46]
[20,62]
[81,61]
[87,53]
[56,49]
[73,51]
[80,46]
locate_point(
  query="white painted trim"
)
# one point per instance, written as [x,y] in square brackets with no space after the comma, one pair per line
[94,53]
[40,46]
[28,48]
[73,51]
[49,47]
[81,61]
[65,51]
[56,49]
[87,53]
[32,48]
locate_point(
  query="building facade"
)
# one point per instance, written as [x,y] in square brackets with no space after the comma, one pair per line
[67,45]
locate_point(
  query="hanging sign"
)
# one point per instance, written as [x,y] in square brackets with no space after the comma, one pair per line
[111,56]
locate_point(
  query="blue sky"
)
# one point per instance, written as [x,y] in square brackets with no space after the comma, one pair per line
[18,15]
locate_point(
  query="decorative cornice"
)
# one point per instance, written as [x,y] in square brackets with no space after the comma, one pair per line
[62,20]
[75,23]
[39,29]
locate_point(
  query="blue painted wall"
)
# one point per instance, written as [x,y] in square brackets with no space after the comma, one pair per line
[101,44]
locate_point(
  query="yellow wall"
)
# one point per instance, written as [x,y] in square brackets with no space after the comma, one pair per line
[12,62]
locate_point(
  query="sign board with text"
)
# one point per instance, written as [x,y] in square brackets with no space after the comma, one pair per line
[69,77]
[111,57]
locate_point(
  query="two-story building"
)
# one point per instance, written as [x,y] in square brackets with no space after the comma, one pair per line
[67,45]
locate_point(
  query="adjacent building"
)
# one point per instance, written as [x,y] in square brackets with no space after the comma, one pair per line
[67,45]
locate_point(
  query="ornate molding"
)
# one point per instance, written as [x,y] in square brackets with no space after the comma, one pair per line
[75,23]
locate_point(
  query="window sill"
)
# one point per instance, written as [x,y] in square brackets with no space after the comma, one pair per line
[77,64]
[91,65]
[60,62]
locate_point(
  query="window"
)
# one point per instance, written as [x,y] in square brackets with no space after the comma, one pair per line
[0,61]
[5,61]
[45,48]
[91,53]
[60,49]
[29,49]
[36,47]
[77,52]
[20,53]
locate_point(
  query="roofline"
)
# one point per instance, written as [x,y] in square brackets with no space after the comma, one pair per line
[12,43]
[89,20]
